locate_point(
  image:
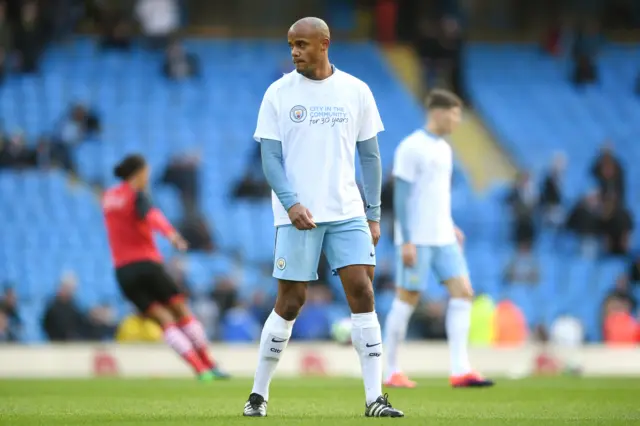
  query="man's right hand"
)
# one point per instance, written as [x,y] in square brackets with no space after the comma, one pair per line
[178,242]
[409,254]
[301,217]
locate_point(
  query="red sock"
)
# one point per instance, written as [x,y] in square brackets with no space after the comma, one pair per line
[179,342]
[192,328]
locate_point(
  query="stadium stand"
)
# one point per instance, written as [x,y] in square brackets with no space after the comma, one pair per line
[51,225]
[536,111]
[141,111]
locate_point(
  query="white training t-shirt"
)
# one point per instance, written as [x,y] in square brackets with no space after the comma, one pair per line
[319,123]
[426,161]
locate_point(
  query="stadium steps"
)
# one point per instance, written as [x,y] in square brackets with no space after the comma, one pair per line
[405,64]
[480,154]
[476,149]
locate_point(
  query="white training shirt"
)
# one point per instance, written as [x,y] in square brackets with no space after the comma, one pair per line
[426,161]
[319,123]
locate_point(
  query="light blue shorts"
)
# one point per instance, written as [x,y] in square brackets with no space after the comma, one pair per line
[344,243]
[445,261]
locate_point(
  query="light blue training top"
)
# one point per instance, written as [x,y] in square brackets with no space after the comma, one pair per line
[369,152]
[401,192]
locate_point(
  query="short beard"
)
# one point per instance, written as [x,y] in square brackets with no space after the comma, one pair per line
[309,73]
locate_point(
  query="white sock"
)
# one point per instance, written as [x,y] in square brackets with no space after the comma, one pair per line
[395,331]
[275,336]
[458,322]
[367,340]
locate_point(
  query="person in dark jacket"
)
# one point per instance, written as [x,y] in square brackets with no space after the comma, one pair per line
[608,171]
[551,192]
[63,320]
[584,222]
[29,38]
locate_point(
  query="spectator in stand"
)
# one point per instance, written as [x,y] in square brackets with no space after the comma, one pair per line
[523,200]
[611,180]
[439,45]
[608,171]
[523,268]
[551,192]
[429,320]
[195,231]
[182,173]
[225,294]
[634,272]
[79,125]
[179,64]
[29,38]
[584,221]
[452,44]
[159,20]
[63,16]
[49,153]
[430,52]
[252,186]
[586,46]
[116,28]
[622,293]
[587,40]
[620,328]
[616,226]
[584,71]
[101,323]
[45,154]
[63,320]
[618,321]
[15,154]
[6,43]
[12,320]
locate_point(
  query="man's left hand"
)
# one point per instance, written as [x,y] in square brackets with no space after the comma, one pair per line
[460,236]
[374,227]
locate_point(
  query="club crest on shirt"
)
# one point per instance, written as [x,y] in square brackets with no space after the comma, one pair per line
[281,263]
[298,114]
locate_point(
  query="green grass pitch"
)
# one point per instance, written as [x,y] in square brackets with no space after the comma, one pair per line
[311,402]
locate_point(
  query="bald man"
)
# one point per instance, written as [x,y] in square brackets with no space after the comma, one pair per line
[310,125]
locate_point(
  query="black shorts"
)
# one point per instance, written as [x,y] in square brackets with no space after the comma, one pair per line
[147,283]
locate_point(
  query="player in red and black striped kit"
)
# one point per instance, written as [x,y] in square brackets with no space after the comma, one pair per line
[131,221]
